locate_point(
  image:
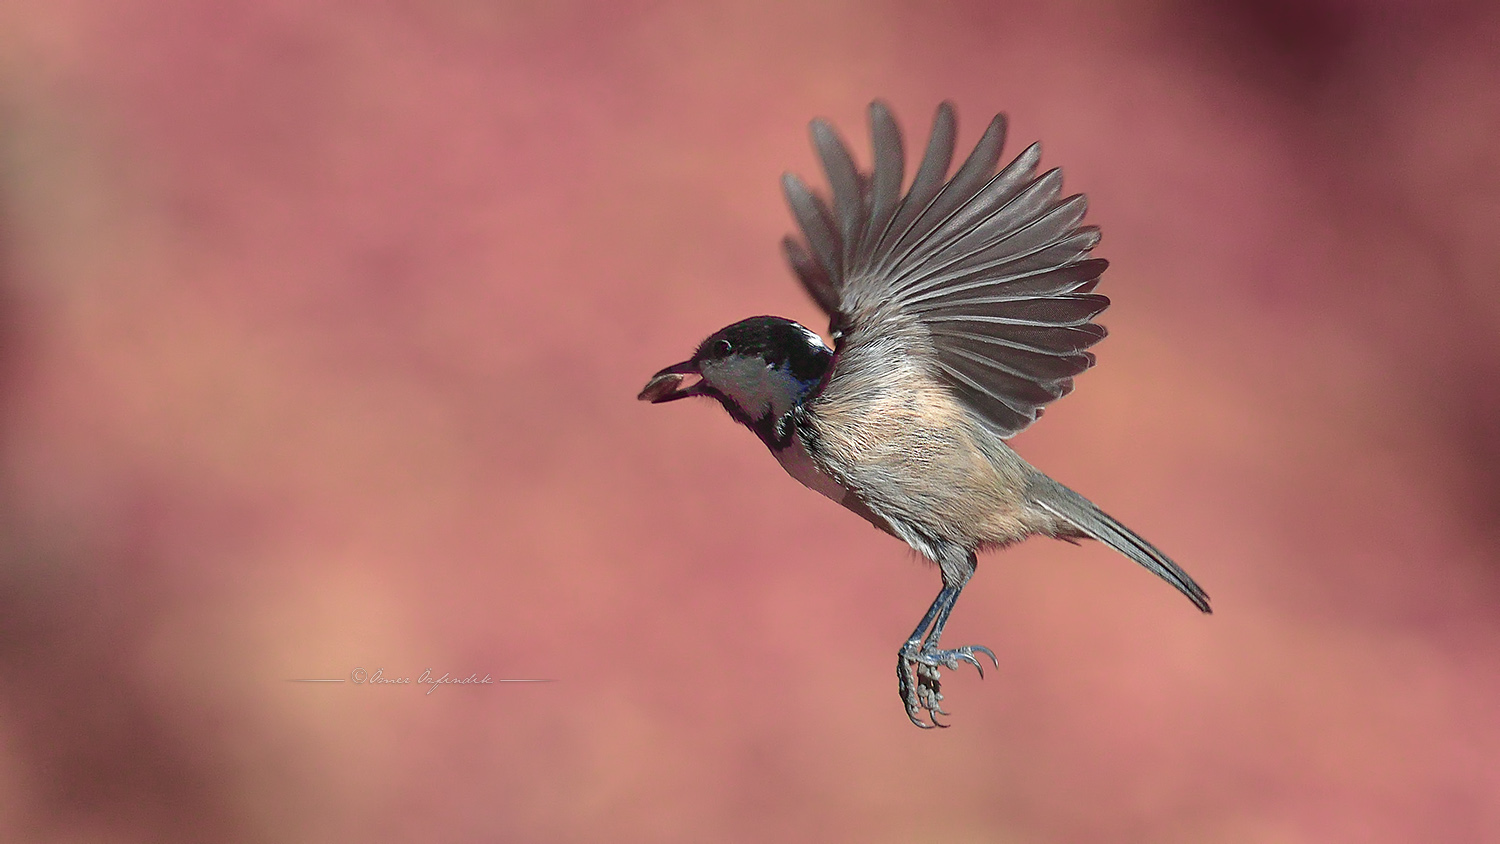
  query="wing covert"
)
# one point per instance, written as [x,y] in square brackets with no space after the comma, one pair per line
[992,265]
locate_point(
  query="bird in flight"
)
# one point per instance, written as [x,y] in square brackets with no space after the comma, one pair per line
[958,309]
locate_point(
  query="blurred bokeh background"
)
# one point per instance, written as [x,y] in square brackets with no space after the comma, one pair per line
[320,332]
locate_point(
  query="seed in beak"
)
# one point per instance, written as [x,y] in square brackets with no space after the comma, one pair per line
[660,387]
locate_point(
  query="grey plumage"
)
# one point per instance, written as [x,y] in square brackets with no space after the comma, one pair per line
[1080,512]
[959,310]
[982,261]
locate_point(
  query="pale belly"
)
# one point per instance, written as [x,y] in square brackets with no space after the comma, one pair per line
[797,463]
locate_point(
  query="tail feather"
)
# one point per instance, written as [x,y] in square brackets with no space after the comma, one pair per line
[1080,512]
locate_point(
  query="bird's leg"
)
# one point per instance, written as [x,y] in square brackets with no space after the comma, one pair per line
[918,662]
[920,693]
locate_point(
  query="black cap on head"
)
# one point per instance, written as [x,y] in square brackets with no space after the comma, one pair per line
[779,341]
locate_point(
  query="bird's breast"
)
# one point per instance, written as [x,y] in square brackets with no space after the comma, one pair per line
[906,448]
[799,464]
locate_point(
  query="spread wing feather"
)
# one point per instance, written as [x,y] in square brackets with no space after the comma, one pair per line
[992,266]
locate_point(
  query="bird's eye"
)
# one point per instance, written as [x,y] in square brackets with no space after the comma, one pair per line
[721,348]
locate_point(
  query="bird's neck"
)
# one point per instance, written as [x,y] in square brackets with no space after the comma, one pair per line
[777,431]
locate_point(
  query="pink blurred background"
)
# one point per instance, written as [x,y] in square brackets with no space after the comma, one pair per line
[320,332]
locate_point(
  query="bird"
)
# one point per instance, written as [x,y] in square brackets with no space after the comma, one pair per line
[958,309]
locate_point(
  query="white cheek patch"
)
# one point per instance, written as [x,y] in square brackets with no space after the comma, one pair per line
[745,381]
[758,389]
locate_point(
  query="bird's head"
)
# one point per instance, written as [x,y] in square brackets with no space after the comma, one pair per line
[759,369]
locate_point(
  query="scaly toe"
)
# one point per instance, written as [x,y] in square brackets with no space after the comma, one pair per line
[953,658]
[921,681]
[921,689]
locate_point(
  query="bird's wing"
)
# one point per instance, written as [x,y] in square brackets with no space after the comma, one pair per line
[988,271]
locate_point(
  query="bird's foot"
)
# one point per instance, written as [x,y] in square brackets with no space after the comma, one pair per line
[919,679]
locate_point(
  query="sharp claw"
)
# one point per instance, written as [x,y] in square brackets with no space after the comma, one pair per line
[969,658]
[989,653]
[920,678]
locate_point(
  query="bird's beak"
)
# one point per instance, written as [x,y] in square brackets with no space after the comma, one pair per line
[665,385]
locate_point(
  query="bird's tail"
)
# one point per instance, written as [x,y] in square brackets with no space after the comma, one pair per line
[1064,503]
